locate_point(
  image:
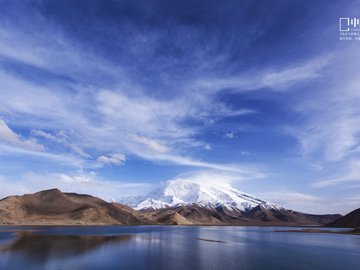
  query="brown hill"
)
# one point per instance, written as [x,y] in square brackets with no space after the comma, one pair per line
[351,220]
[172,218]
[260,215]
[287,217]
[54,207]
[186,215]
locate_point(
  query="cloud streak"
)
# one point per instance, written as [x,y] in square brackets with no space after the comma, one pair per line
[277,79]
[349,175]
[7,135]
[112,159]
[83,183]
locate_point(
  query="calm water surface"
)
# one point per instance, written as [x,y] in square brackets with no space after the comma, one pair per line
[167,247]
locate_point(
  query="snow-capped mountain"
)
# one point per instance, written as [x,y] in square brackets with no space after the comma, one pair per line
[184,192]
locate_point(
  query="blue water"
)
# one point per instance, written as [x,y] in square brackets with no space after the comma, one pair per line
[175,247]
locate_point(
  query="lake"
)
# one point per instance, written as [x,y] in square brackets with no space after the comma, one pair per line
[175,247]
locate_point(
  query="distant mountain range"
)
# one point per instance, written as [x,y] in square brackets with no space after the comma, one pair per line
[186,202]
[176,203]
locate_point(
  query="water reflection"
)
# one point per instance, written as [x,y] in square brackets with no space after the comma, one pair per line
[176,248]
[42,247]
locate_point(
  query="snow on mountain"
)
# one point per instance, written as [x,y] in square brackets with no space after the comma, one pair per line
[184,192]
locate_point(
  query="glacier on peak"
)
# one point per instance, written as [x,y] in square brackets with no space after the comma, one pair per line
[184,192]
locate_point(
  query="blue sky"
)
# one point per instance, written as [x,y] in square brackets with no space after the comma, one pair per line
[112,98]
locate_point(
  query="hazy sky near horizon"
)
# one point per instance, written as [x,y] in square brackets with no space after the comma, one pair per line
[112,98]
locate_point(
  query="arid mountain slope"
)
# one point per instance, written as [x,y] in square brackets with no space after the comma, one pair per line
[351,220]
[260,215]
[54,207]
[284,216]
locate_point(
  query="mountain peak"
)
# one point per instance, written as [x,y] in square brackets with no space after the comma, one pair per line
[52,190]
[185,192]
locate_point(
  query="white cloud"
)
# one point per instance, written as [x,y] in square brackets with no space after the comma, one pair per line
[7,135]
[315,167]
[150,143]
[354,201]
[348,175]
[300,201]
[308,203]
[85,183]
[61,57]
[218,177]
[302,72]
[287,197]
[229,135]
[277,79]
[333,133]
[112,159]
[336,181]
[63,159]
[60,138]
[251,171]
[330,126]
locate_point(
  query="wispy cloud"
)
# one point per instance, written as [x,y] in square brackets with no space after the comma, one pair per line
[331,117]
[7,135]
[276,79]
[218,177]
[353,201]
[283,197]
[306,71]
[63,159]
[61,138]
[229,135]
[112,159]
[84,183]
[299,201]
[348,175]
[150,143]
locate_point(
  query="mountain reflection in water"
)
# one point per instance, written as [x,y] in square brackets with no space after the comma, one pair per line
[42,247]
[174,248]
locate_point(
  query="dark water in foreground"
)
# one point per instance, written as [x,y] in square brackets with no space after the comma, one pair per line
[167,247]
